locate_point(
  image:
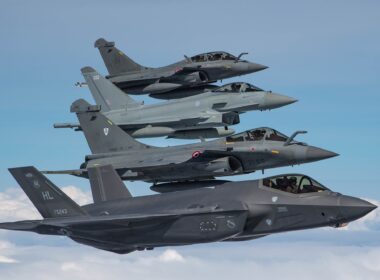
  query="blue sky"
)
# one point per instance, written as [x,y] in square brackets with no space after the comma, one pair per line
[324,53]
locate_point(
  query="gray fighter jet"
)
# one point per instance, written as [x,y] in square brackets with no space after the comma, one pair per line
[196,71]
[230,211]
[206,115]
[246,152]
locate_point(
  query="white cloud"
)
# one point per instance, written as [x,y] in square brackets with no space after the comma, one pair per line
[70,266]
[15,205]
[259,260]
[4,260]
[78,195]
[171,255]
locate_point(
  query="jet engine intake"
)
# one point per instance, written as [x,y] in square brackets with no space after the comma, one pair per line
[231,118]
[224,165]
[196,78]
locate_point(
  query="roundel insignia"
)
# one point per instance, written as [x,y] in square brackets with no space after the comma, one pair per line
[195,154]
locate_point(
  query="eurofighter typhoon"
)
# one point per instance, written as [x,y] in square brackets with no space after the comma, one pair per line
[230,211]
[256,149]
[192,72]
[207,115]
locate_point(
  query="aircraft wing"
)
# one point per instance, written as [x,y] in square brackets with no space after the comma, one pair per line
[182,223]
[166,120]
[188,70]
[57,226]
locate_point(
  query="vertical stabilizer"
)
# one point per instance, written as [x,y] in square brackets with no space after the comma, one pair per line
[102,135]
[106,184]
[49,200]
[115,60]
[105,93]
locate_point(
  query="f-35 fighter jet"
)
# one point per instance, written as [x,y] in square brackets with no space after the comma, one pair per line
[232,211]
[246,152]
[196,71]
[206,115]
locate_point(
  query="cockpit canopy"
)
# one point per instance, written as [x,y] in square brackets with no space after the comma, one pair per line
[258,134]
[238,87]
[213,56]
[293,183]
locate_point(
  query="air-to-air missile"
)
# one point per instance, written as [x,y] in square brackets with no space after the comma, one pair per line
[206,115]
[229,211]
[192,72]
[256,149]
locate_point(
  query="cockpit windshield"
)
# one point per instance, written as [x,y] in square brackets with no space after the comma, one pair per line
[293,183]
[274,135]
[212,56]
[258,134]
[238,87]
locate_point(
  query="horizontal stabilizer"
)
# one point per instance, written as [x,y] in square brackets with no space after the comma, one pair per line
[21,225]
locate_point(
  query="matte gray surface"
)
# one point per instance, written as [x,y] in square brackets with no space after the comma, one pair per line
[246,152]
[227,211]
[197,71]
[206,115]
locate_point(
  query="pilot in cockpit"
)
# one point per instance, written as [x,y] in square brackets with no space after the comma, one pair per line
[292,185]
[235,87]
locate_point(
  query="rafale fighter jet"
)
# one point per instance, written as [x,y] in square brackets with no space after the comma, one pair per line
[196,71]
[206,115]
[232,211]
[246,152]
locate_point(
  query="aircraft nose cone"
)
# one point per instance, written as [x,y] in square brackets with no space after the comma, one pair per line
[314,154]
[255,67]
[353,208]
[274,100]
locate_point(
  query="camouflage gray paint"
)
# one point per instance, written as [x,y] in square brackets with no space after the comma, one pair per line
[206,115]
[246,152]
[196,71]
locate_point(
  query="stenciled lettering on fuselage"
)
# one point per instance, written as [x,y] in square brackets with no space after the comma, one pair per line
[46,195]
[61,212]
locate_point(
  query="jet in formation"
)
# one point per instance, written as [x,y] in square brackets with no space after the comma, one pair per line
[229,211]
[207,115]
[195,72]
[246,152]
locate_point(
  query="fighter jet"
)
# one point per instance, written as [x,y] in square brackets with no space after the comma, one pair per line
[195,71]
[246,152]
[206,115]
[230,211]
